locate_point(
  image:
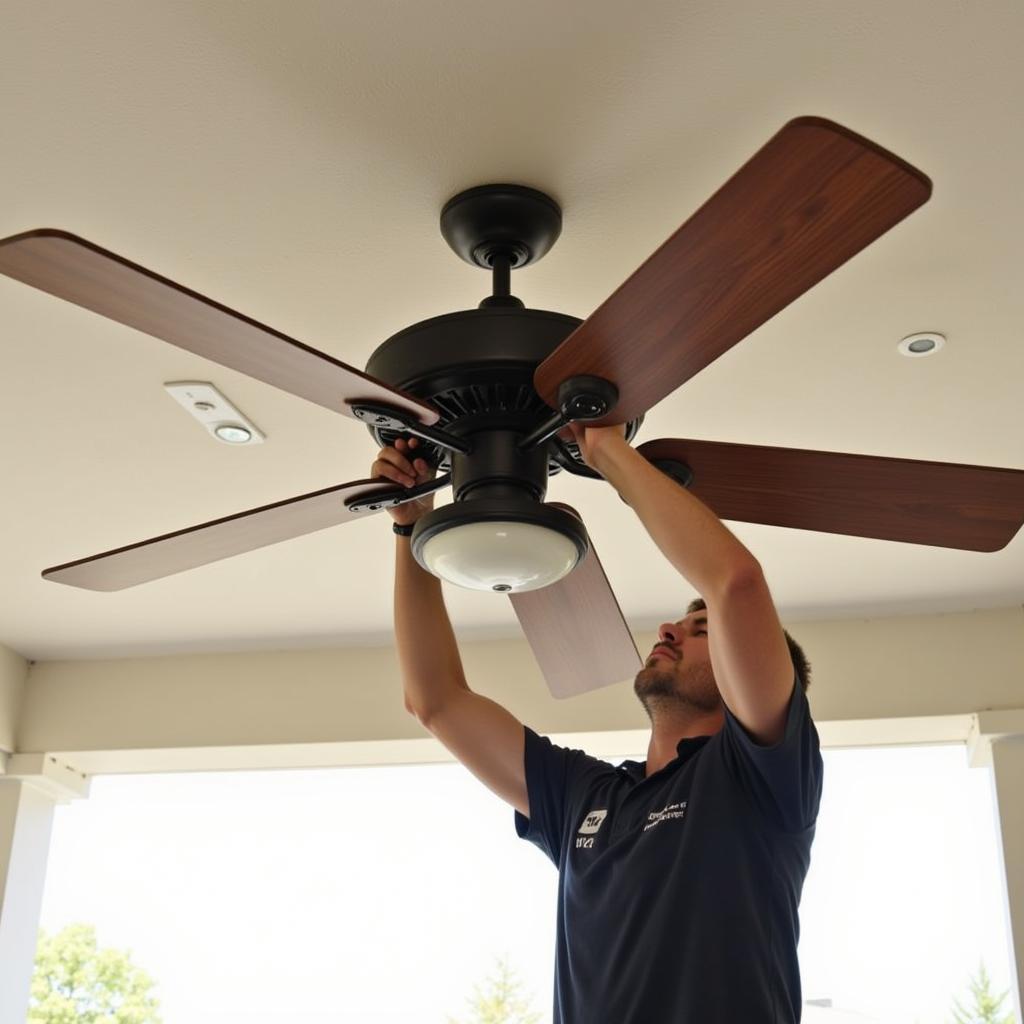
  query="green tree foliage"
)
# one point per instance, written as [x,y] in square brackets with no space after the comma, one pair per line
[76,982]
[501,1001]
[985,1007]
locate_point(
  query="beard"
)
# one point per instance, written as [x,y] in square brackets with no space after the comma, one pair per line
[679,690]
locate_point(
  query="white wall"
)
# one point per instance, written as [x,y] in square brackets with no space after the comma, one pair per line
[318,706]
[13,675]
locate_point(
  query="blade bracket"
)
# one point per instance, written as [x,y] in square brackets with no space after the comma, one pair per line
[387,418]
[586,397]
[391,499]
[579,398]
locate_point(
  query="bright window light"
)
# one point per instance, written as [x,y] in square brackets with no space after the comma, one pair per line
[387,894]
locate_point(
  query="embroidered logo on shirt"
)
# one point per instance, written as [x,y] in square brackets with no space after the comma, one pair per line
[668,812]
[591,823]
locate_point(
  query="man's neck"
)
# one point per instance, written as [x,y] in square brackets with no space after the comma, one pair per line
[667,731]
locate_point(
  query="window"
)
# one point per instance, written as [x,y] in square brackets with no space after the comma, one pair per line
[386,894]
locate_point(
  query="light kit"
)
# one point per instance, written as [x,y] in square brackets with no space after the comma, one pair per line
[506,546]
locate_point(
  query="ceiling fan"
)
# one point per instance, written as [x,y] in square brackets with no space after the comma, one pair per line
[490,391]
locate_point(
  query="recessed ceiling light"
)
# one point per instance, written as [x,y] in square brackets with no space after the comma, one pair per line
[924,344]
[233,434]
[216,413]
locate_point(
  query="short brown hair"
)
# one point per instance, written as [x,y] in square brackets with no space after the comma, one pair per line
[796,652]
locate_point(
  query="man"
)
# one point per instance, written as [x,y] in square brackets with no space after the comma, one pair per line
[679,878]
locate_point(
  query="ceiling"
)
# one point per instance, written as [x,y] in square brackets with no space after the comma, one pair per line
[291,160]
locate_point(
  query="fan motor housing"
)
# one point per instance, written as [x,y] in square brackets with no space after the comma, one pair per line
[470,347]
[475,366]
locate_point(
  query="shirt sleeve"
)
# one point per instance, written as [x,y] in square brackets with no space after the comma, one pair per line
[783,779]
[553,775]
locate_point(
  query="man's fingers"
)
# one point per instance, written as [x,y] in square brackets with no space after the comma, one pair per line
[386,471]
[396,459]
[419,465]
[396,462]
[394,466]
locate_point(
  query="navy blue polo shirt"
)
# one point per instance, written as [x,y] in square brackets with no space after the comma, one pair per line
[678,893]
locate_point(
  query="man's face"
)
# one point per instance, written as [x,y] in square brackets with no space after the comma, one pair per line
[677,674]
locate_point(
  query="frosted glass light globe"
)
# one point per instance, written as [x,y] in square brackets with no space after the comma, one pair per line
[505,556]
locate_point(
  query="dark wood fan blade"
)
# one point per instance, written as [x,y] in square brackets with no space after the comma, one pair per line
[221,538]
[576,629]
[976,508]
[80,272]
[814,196]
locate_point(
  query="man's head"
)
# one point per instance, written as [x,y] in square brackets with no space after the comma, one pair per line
[677,676]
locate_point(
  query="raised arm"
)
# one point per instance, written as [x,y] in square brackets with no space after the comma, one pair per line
[749,655]
[480,733]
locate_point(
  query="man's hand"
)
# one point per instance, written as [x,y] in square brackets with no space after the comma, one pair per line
[595,442]
[400,464]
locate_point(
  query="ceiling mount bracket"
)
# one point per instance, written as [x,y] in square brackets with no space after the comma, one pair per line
[511,221]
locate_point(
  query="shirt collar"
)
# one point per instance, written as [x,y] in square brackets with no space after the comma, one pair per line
[685,749]
[688,747]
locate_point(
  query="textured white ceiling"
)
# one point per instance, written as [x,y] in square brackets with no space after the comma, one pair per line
[290,161]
